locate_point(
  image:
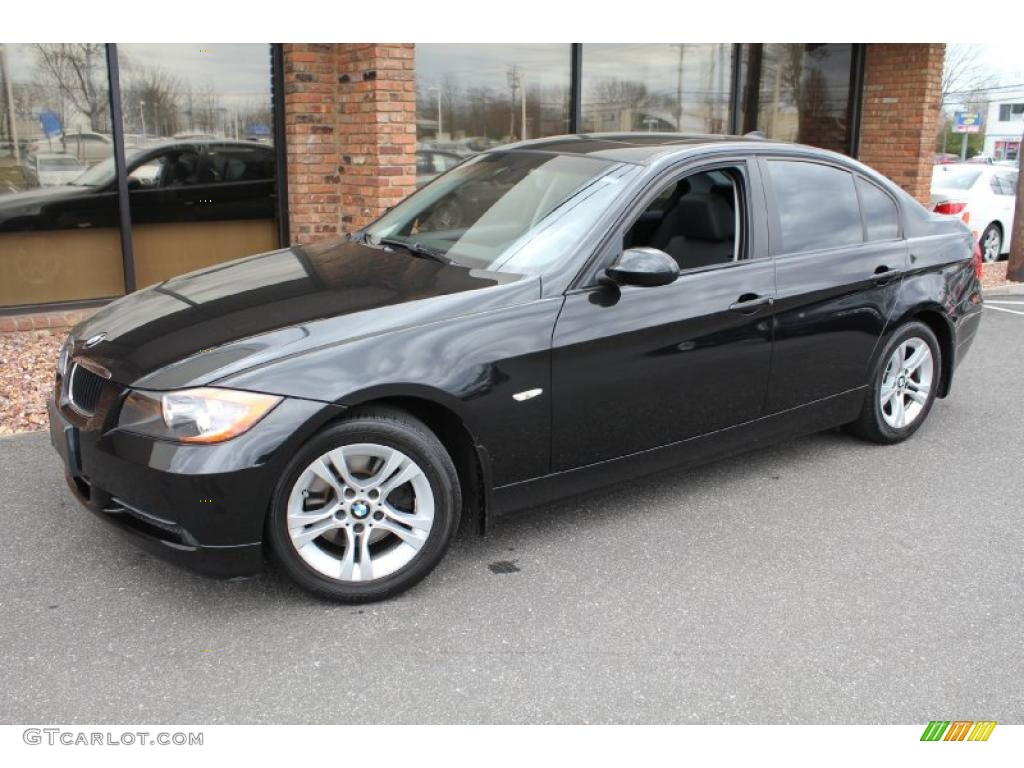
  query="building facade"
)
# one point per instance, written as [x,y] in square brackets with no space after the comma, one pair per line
[1004,127]
[237,149]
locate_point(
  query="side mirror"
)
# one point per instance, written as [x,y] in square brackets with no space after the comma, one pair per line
[134,183]
[643,266]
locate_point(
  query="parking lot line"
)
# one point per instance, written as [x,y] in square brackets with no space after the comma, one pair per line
[1004,309]
[1019,303]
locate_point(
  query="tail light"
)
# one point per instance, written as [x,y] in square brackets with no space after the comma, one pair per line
[950,207]
[977,260]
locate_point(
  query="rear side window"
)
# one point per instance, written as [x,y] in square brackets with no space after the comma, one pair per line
[881,216]
[1004,184]
[239,164]
[817,206]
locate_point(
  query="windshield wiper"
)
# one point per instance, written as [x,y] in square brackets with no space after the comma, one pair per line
[416,248]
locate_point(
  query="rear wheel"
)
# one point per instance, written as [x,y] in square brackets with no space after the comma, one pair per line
[366,509]
[903,386]
[991,243]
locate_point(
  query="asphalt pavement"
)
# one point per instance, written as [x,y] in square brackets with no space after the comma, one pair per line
[823,580]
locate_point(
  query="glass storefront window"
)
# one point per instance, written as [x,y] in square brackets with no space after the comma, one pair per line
[798,92]
[664,87]
[472,97]
[199,154]
[59,240]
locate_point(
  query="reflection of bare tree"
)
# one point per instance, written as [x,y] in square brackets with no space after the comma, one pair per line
[152,99]
[614,98]
[204,108]
[78,71]
[628,93]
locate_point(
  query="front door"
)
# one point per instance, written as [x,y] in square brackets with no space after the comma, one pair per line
[635,368]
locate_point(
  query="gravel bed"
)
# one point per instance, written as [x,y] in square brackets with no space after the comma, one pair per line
[27,361]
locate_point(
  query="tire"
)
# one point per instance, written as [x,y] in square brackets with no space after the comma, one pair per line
[879,422]
[991,243]
[366,509]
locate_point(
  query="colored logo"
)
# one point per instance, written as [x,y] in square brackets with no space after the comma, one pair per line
[958,730]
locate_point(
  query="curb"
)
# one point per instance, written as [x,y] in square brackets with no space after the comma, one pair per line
[1004,290]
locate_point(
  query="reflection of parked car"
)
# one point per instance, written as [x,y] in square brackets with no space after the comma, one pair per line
[180,181]
[983,196]
[88,146]
[430,164]
[51,170]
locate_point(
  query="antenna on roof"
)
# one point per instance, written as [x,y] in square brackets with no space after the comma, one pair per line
[754,135]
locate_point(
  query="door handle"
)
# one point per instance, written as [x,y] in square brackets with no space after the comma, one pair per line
[883,274]
[749,303]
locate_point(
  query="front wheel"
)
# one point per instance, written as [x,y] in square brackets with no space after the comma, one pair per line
[903,386]
[366,509]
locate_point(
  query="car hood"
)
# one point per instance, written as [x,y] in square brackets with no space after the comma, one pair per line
[200,327]
[34,198]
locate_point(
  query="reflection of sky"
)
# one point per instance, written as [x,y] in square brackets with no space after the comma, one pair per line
[235,71]
[477,65]
[706,67]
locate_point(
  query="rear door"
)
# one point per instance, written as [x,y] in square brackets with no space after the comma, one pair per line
[840,256]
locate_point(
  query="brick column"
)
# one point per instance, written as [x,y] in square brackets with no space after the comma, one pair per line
[900,117]
[350,128]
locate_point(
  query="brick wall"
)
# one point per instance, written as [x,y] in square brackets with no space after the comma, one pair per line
[900,117]
[350,129]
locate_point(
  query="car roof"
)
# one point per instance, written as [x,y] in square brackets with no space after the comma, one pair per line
[639,148]
[982,167]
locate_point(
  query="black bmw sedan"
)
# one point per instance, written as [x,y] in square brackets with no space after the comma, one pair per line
[544,319]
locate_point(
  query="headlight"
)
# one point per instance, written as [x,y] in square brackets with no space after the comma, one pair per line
[205,415]
[64,357]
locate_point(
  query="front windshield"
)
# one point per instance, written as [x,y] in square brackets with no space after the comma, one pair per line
[102,173]
[516,211]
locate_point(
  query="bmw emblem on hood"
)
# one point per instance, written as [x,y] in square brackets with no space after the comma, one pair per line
[92,341]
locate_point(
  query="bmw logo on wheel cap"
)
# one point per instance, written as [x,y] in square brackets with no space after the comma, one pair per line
[360,509]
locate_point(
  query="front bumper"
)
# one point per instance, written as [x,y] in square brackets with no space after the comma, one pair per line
[201,506]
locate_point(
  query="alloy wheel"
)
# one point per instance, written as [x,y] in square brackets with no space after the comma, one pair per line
[991,245]
[906,383]
[360,512]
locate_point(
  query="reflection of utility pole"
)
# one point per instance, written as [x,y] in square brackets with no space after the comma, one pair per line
[513,83]
[142,114]
[439,126]
[12,121]
[522,102]
[679,89]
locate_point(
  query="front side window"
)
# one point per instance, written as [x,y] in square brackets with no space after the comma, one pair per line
[817,206]
[881,217]
[695,220]
[507,211]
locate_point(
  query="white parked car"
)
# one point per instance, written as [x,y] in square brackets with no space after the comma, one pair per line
[51,169]
[983,196]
